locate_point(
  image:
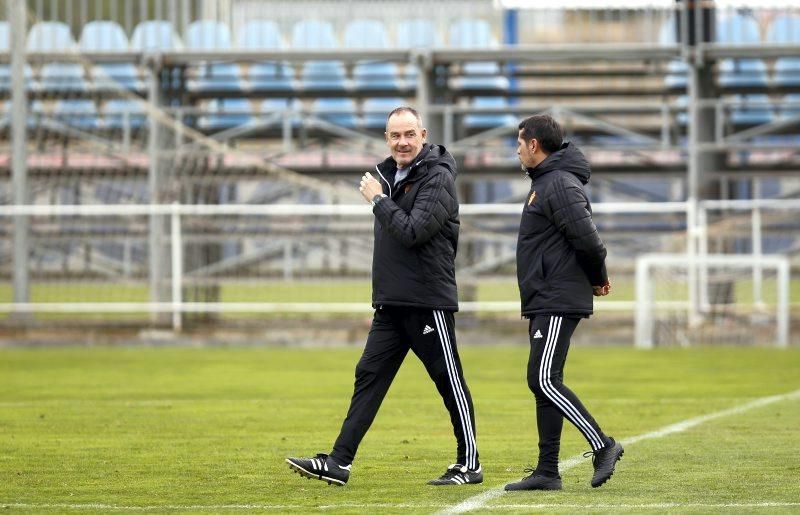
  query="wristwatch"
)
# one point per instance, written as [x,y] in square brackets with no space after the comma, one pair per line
[377,198]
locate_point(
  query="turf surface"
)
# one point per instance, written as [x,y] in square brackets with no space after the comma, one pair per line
[207,429]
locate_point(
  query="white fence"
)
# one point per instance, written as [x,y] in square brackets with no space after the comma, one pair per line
[276,215]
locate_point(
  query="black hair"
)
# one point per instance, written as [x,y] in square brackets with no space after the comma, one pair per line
[545,129]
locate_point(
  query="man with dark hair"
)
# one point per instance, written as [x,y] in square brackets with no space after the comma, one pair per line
[560,265]
[414,296]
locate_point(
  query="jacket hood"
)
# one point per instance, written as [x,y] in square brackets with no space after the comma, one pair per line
[431,155]
[567,159]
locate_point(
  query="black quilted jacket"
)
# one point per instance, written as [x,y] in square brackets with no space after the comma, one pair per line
[559,253]
[416,234]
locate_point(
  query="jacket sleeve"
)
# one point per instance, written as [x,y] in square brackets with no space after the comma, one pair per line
[570,214]
[431,210]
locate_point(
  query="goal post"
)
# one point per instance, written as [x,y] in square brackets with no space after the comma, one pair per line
[726,311]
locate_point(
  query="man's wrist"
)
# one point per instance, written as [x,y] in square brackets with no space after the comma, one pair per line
[377,198]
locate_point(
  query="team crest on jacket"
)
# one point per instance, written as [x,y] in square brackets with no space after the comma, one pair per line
[531,198]
[407,188]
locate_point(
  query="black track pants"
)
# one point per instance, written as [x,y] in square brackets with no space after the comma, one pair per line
[431,336]
[549,338]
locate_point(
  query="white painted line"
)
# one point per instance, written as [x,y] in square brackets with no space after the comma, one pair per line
[478,501]
[654,506]
[282,507]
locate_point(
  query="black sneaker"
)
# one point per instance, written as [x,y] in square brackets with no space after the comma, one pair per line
[459,475]
[604,461]
[535,482]
[321,467]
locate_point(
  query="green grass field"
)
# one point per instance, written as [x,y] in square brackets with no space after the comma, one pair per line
[207,429]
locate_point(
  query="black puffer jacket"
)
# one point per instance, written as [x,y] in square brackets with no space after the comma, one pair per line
[416,234]
[559,254]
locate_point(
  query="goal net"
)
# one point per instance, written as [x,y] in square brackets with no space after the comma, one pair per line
[713,299]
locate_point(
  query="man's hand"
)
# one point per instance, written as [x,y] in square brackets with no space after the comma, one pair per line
[369,187]
[601,291]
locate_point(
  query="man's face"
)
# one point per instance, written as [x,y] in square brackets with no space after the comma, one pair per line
[525,152]
[405,137]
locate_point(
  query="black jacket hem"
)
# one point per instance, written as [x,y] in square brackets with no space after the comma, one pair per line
[378,304]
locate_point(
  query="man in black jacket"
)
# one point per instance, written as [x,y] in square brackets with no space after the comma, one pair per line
[560,265]
[414,295]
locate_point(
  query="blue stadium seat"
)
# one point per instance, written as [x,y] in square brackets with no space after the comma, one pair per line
[480,75]
[416,33]
[792,107]
[475,33]
[208,35]
[155,35]
[324,75]
[339,111]
[271,106]
[682,116]
[5,70]
[212,35]
[742,73]
[375,111]
[270,75]
[310,34]
[375,75]
[366,34]
[53,36]
[260,34]
[489,120]
[740,29]
[62,77]
[35,114]
[50,36]
[677,70]
[370,74]
[471,33]
[226,113]
[785,30]
[119,113]
[267,75]
[80,114]
[108,36]
[329,75]
[5,77]
[752,110]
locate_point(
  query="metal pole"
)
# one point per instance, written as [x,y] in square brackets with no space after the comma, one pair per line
[783,303]
[511,37]
[177,268]
[758,271]
[644,305]
[155,237]
[17,16]
[702,221]
[426,91]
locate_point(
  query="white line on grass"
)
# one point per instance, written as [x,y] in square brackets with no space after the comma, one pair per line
[652,506]
[282,507]
[478,501]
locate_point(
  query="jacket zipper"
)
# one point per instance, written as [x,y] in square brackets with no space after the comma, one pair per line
[384,180]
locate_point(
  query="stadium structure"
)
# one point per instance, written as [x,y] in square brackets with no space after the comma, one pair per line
[191,166]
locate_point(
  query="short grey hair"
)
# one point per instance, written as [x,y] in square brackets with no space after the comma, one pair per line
[405,109]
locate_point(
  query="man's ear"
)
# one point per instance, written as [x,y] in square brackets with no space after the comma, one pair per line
[424,133]
[533,145]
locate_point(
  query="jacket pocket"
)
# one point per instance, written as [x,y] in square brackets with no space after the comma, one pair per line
[533,280]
